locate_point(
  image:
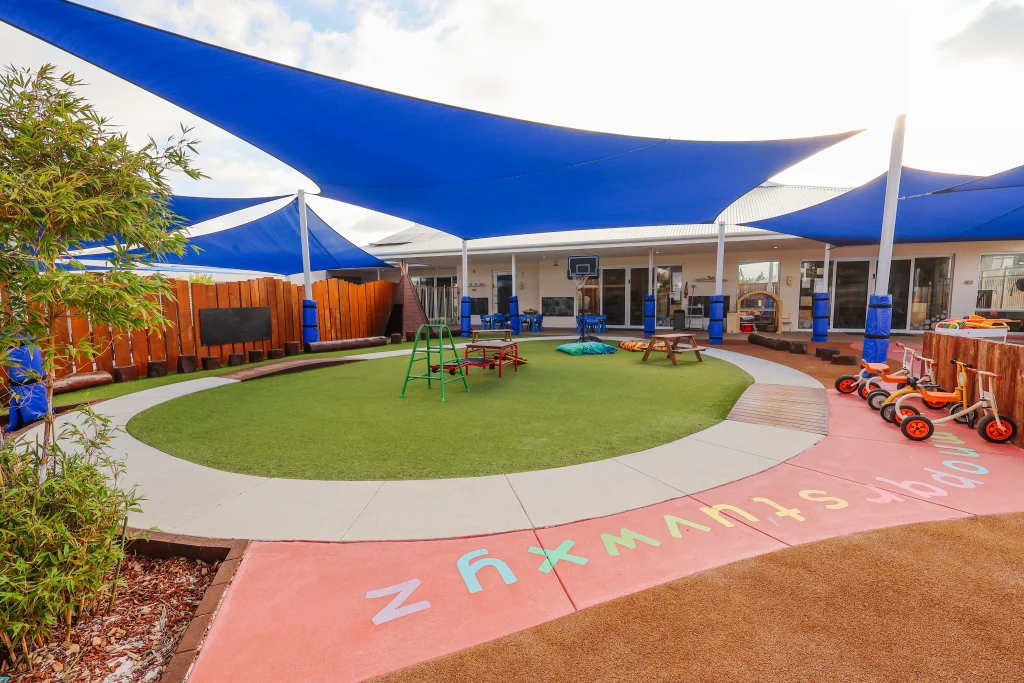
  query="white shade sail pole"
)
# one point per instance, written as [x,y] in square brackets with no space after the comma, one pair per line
[465,268]
[720,264]
[513,275]
[650,270]
[304,232]
[824,275]
[892,194]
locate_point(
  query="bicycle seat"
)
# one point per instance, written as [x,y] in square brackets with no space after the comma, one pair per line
[874,367]
[936,396]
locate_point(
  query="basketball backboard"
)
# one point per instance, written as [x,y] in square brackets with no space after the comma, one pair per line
[583,265]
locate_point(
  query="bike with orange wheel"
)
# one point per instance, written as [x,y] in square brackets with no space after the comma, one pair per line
[873,374]
[983,414]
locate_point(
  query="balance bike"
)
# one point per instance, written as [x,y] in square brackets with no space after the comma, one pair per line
[872,385]
[872,374]
[885,403]
[991,426]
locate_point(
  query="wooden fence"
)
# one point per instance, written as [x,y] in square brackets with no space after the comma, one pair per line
[346,311]
[1005,359]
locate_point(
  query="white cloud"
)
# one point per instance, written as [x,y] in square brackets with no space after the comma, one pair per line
[745,69]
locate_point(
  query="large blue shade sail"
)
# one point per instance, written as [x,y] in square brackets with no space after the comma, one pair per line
[272,244]
[856,217]
[194,210]
[1011,178]
[464,172]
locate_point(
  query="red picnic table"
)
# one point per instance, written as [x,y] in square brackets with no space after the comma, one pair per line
[495,352]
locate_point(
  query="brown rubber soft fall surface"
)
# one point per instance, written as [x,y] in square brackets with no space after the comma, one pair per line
[941,601]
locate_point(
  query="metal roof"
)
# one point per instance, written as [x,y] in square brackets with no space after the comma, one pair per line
[767,201]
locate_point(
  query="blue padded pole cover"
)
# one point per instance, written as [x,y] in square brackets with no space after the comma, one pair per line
[876,331]
[513,315]
[819,313]
[466,317]
[310,329]
[28,394]
[717,319]
[648,315]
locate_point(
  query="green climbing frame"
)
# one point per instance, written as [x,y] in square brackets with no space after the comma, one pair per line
[434,357]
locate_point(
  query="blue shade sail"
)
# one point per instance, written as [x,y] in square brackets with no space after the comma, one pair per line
[856,217]
[272,244]
[465,172]
[194,210]
[1005,179]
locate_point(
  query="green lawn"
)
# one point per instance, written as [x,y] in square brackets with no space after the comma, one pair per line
[115,390]
[347,422]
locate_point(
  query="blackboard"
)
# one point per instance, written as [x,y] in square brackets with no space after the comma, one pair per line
[233,325]
[557,305]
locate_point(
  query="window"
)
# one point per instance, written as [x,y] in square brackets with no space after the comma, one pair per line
[812,280]
[759,275]
[932,282]
[668,293]
[1001,282]
[422,281]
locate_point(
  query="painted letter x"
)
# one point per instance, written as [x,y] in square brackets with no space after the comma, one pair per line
[559,553]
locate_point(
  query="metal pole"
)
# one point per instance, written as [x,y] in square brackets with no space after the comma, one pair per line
[720,265]
[892,194]
[828,250]
[304,232]
[465,268]
[513,275]
[650,270]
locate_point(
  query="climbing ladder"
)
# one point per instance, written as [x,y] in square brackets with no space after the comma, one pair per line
[434,357]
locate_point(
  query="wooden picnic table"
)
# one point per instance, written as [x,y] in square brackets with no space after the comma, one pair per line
[672,342]
[501,352]
[506,334]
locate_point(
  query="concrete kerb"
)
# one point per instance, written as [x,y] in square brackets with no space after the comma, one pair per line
[184,497]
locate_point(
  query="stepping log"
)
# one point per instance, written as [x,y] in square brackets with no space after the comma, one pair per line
[235,359]
[291,348]
[157,368]
[826,352]
[798,347]
[126,373]
[769,342]
[396,338]
[255,355]
[187,362]
[845,360]
[277,353]
[211,362]
[82,380]
[342,344]
[410,336]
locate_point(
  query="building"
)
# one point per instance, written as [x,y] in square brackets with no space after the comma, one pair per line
[929,282]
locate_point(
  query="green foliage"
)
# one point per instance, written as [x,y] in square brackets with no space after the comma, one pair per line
[59,529]
[201,279]
[69,178]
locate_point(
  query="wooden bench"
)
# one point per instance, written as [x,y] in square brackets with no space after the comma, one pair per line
[504,335]
[672,342]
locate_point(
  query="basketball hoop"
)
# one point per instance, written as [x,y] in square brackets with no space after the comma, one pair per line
[581,282]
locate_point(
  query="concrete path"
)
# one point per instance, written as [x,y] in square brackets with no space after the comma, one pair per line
[183,497]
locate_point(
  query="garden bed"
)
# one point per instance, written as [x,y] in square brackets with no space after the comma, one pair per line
[174,584]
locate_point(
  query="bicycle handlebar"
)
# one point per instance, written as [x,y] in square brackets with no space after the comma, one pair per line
[993,375]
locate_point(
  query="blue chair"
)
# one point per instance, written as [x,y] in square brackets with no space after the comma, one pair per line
[500,321]
[486,321]
[538,323]
[602,323]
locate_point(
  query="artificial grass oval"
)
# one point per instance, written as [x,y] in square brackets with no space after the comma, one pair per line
[347,422]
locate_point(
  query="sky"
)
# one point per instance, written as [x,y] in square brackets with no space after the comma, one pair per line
[686,69]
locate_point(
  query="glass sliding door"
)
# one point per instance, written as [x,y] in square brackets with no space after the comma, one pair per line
[502,292]
[613,295]
[933,283]
[899,287]
[638,288]
[850,307]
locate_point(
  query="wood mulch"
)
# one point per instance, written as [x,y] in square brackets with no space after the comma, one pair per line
[134,643]
[942,601]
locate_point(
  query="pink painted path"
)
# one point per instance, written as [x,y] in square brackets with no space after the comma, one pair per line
[350,611]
